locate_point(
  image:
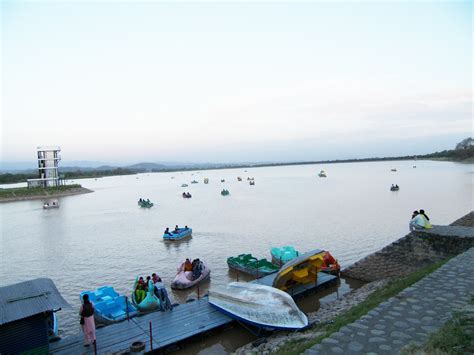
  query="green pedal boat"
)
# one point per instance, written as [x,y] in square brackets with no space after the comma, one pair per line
[249,264]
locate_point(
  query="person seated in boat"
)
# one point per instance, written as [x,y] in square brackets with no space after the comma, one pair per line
[140,200]
[46,204]
[396,186]
[393,186]
[176,229]
[187,265]
[140,292]
[155,278]
[54,203]
[147,200]
[167,231]
[162,294]
[197,269]
[148,278]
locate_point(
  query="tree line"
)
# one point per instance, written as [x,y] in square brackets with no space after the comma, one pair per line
[466,152]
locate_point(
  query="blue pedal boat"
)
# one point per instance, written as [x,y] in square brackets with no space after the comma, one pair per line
[181,234]
[281,256]
[109,306]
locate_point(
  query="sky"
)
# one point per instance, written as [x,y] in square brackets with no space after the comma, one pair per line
[124,82]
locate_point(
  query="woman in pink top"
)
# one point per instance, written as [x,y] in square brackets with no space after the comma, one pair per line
[87,320]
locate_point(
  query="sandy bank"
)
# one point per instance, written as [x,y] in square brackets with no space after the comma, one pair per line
[46,195]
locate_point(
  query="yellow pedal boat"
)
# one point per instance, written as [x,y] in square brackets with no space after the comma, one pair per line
[301,270]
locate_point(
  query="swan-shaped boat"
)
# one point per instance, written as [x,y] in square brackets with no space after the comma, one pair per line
[150,302]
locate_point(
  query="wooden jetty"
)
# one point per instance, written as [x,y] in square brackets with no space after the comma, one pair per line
[184,321]
[170,327]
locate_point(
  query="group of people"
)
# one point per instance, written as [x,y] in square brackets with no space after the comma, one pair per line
[394,186]
[142,200]
[159,289]
[186,195]
[419,220]
[176,230]
[195,267]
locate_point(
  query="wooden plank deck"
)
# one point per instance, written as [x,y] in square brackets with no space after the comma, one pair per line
[184,321]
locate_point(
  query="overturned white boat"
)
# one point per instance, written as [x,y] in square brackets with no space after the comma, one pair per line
[259,305]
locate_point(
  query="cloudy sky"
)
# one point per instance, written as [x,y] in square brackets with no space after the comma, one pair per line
[216,82]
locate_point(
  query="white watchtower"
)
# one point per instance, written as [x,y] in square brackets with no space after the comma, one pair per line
[48,160]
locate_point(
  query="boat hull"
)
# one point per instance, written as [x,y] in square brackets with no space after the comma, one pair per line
[145,204]
[301,270]
[259,305]
[251,271]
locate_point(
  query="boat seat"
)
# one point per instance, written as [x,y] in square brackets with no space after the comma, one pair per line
[300,275]
[107,299]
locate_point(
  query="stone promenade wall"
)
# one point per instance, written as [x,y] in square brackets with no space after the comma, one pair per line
[416,250]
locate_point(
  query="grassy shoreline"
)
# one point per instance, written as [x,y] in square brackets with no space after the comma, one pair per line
[24,193]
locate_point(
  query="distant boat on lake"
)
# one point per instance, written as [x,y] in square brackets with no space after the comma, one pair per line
[54,204]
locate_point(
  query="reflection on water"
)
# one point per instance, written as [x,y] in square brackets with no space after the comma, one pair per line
[104,238]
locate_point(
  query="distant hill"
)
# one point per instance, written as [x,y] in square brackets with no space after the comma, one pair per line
[147,166]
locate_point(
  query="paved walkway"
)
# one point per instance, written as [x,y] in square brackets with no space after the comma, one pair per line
[408,317]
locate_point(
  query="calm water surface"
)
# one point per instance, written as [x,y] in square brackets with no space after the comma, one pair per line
[104,238]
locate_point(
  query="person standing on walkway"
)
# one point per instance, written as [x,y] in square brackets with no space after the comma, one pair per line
[87,320]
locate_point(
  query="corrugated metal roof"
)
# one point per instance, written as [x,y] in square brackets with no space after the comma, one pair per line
[28,298]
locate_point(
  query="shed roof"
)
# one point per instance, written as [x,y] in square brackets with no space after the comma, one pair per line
[28,298]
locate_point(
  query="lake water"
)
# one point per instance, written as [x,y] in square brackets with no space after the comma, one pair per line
[104,238]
